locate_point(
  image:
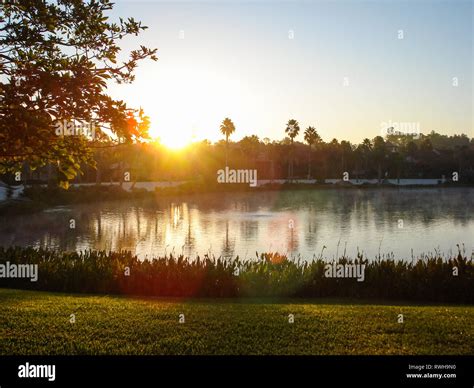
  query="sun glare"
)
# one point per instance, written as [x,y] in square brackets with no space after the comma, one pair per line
[173,140]
[190,103]
[176,143]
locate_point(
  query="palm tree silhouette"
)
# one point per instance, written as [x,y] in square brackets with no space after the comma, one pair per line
[366,151]
[311,137]
[227,128]
[292,130]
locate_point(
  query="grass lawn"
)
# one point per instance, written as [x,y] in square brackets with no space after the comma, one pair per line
[39,323]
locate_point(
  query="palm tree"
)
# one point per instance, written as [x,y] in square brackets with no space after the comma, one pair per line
[311,137]
[227,129]
[292,130]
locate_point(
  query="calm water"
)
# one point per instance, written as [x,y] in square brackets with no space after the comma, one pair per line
[292,222]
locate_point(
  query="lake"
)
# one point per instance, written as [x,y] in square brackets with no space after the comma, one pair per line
[308,223]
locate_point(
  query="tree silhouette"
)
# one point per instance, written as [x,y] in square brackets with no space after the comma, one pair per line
[292,129]
[56,59]
[311,137]
[227,128]
[379,152]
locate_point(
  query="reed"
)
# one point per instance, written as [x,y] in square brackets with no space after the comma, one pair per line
[428,278]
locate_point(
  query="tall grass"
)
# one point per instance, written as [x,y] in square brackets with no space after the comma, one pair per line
[429,278]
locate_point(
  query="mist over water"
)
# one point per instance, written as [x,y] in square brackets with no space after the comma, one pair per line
[291,222]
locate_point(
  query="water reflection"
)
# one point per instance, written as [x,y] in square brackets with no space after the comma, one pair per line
[240,224]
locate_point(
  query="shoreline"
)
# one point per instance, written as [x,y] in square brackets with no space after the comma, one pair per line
[37,198]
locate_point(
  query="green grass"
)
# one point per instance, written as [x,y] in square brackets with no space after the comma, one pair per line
[33,322]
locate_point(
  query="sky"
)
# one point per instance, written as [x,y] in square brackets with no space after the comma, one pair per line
[348,68]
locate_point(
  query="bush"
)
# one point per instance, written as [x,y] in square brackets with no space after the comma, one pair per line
[428,279]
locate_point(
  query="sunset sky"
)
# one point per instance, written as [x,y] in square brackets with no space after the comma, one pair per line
[345,71]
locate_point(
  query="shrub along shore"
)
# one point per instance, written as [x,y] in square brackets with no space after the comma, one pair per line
[425,279]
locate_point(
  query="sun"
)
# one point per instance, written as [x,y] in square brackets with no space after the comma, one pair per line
[174,139]
[190,103]
[171,142]
[178,132]
[175,143]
